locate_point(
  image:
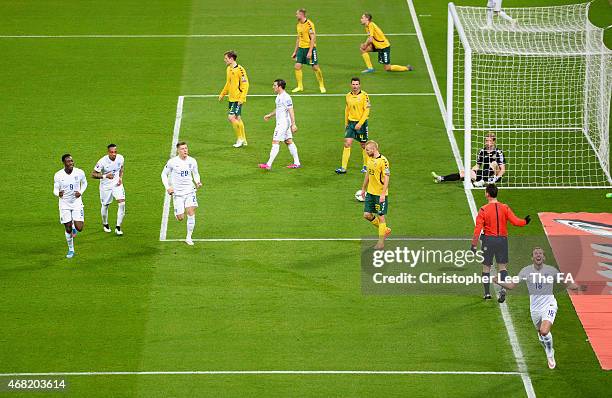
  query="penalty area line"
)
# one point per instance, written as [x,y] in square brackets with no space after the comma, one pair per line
[316,95]
[315,239]
[269,372]
[179,36]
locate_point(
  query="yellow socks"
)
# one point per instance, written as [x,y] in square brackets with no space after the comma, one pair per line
[242,132]
[365,157]
[319,75]
[375,222]
[298,77]
[382,229]
[236,127]
[346,154]
[398,68]
[366,59]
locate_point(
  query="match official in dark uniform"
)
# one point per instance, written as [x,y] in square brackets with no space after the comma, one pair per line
[492,220]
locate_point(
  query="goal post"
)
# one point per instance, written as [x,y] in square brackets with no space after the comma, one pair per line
[541,81]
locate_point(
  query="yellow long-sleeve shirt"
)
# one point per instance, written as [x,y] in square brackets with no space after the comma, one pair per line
[378,168]
[304,30]
[357,107]
[379,40]
[236,84]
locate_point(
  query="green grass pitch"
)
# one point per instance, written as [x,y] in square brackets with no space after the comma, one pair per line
[137,304]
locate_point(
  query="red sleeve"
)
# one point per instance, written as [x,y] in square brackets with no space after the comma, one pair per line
[479,226]
[519,222]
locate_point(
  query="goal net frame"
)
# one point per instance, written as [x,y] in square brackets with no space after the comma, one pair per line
[584,134]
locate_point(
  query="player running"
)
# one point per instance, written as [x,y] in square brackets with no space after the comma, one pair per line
[356,113]
[285,126]
[489,168]
[236,88]
[69,185]
[178,177]
[540,279]
[492,219]
[378,42]
[109,170]
[376,199]
[305,52]
[495,7]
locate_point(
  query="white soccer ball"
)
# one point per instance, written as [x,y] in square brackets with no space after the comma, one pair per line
[358,196]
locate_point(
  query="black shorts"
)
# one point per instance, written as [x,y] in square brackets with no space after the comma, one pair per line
[494,247]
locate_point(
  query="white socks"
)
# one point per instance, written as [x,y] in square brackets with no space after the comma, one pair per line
[190,225]
[104,212]
[294,152]
[506,16]
[120,213]
[70,241]
[547,343]
[273,153]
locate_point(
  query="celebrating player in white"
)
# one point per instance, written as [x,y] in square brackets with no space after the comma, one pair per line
[109,170]
[178,177]
[69,184]
[285,126]
[540,279]
[495,6]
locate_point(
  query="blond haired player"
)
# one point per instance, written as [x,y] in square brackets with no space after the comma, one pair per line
[540,279]
[69,185]
[375,190]
[378,42]
[356,113]
[236,88]
[305,52]
[178,178]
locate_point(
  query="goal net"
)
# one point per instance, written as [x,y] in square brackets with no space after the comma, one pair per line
[541,83]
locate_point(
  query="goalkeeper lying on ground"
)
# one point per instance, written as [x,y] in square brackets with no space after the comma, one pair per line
[489,168]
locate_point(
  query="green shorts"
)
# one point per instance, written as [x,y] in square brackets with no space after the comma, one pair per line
[384,55]
[361,134]
[234,108]
[301,56]
[372,204]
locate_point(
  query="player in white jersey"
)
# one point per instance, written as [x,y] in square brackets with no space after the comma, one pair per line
[285,126]
[69,184]
[495,7]
[109,170]
[178,177]
[540,279]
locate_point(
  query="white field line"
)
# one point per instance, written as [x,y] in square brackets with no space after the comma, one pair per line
[317,239]
[516,347]
[178,36]
[316,95]
[175,136]
[268,372]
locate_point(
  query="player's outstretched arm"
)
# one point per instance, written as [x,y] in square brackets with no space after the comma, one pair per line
[518,222]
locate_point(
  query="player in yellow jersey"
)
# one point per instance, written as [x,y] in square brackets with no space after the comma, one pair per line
[376,184]
[305,52]
[356,115]
[236,88]
[378,42]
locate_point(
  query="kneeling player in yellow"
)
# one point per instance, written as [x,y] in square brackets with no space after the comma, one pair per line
[356,115]
[236,87]
[376,184]
[378,42]
[305,52]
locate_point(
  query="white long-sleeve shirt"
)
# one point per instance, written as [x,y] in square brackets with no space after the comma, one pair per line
[181,174]
[69,184]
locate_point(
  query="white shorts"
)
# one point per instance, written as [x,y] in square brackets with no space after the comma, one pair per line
[282,133]
[495,5]
[183,201]
[68,215]
[547,314]
[117,192]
